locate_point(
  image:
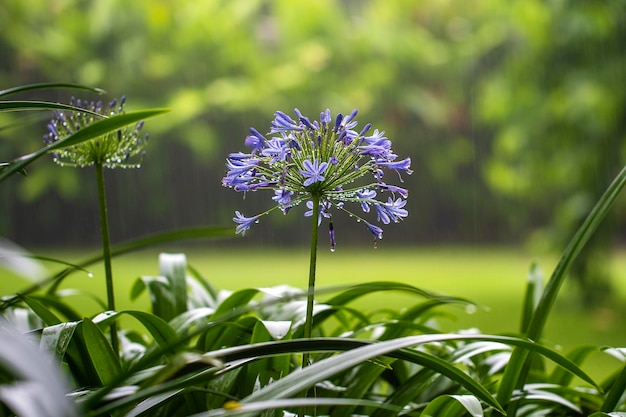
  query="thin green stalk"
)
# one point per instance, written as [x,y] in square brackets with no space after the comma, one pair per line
[106,250]
[308,323]
[310,297]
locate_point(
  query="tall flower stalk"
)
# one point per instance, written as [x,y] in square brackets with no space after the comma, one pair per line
[122,148]
[326,164]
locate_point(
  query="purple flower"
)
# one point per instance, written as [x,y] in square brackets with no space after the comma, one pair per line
[276,149]
[376,231]
[391,211]
[284,123]
[365,197]
[243,223]
[375,138]
[394,189]
[347,121]
[404,165]
[313,171]
[325,118]
[255,140]
[376,151]
[324,207]
[305,120]
[238,156]
[238,167]
[330,161]
[283,198]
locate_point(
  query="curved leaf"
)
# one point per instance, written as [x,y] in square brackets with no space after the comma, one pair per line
[56,339]
[235,301]
[304,378]
[339,344]
[42,311]
[53,85]
[53,301]
[545,398]
[16,105]
[101,353]
[578,355]
[233,408]
[159,329]
[173,267]
[182,322]
[453,405]
[616,392]
[360,290]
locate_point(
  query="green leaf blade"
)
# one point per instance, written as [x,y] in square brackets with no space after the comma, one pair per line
[101,353]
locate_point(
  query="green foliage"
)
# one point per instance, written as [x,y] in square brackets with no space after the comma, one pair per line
[204,351]
[554,102]
[225,66]
[235,354]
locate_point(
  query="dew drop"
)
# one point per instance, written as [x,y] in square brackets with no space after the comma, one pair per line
[90,274]
[471,309]
[332,249]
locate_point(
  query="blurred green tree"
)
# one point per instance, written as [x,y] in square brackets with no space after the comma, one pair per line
[223,66]
[556,103]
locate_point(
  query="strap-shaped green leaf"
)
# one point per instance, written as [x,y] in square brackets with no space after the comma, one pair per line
[20,105]
[101,353]
[159,329]
[48,86]
[453,406]
[56,339]
[42,311]
[173,266]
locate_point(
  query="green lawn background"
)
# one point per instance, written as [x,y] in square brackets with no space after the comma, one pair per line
[494,278]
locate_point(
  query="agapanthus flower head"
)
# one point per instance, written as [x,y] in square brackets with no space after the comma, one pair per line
[332,163]
[122,148]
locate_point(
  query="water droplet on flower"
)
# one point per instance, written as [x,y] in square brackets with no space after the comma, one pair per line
[332,249]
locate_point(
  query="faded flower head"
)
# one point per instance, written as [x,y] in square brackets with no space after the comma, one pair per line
[123,148]
[304,161]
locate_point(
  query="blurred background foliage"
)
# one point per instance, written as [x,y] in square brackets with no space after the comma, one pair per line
[513,111]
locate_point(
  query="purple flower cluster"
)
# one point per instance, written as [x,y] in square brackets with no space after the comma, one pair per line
[303,160]
[123,148]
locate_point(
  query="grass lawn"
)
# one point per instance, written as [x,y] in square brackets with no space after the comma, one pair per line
[494,278]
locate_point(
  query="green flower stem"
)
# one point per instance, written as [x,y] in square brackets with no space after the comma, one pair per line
[106,250]
[310,297]
[308,323]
